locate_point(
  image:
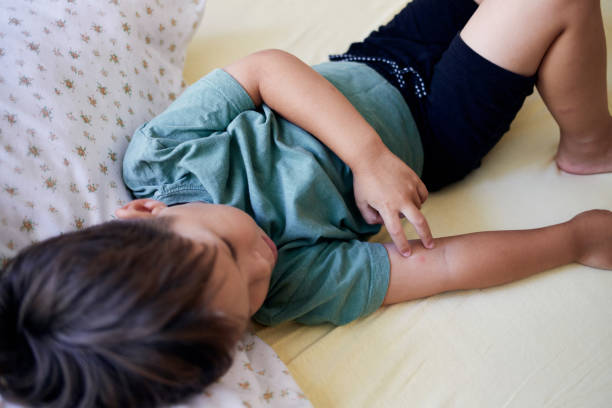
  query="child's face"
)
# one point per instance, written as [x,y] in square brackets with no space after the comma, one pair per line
[245,254]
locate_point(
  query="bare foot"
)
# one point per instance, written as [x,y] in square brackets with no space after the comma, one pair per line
[586,154]
[593,232]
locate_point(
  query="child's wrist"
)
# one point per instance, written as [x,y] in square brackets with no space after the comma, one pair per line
[366,153]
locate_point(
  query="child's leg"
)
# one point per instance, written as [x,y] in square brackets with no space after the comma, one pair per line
[486,259]
[563,41]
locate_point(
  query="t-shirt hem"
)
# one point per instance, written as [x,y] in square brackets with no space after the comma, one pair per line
[380,268]
[182,195]
[233,92]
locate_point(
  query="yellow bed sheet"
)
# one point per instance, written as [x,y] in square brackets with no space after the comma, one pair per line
[542,342]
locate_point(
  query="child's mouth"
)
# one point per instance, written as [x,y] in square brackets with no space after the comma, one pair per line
[271,245]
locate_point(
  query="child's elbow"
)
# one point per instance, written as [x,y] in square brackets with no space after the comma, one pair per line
[270,55]
[269,62]
[261,68]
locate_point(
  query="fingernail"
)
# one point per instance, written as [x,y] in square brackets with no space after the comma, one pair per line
[406,252]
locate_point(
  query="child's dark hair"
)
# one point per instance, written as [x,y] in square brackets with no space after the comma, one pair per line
[114,315]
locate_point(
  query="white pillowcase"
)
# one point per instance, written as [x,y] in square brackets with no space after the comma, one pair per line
[76,78]
[257,379]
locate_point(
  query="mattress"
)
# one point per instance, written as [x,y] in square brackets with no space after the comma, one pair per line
[545,341]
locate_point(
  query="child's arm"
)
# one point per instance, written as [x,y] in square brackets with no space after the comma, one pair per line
[385,186]
[486,259]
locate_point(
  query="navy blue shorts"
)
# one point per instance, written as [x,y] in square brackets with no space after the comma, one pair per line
[461,102]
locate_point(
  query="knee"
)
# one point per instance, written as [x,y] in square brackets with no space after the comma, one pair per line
[567,12]
[575,8]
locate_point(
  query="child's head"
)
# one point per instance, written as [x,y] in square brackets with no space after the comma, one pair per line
[137,312]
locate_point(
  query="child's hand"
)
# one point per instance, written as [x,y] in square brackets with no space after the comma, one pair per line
[387,189]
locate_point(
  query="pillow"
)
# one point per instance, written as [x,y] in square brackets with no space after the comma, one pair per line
[76,79]
[257,379]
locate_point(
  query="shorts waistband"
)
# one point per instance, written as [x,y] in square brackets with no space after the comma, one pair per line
[393,67]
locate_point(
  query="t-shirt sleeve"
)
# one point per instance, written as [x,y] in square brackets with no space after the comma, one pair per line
[164,157]
[333,281]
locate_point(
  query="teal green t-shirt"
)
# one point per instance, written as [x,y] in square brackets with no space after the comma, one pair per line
[213,145]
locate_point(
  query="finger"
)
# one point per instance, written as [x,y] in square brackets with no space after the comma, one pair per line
[396,231]
[414,199]
[417,219]
[369,214]
[423,193]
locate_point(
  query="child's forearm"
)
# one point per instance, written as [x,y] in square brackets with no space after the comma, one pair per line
[478,260]
[304,97]
[384,186]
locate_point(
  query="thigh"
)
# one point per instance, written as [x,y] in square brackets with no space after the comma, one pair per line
[517,34]
[429,22]
[470,105]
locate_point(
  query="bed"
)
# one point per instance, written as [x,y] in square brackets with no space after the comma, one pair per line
[545,341]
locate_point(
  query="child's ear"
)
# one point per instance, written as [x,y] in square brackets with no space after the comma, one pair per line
[141,208]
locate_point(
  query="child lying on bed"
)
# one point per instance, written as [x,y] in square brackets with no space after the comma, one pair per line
[258,188]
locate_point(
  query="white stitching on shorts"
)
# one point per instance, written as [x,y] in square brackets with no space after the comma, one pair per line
[419,85]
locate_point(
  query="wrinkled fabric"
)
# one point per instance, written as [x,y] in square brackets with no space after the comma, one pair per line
[213,145]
